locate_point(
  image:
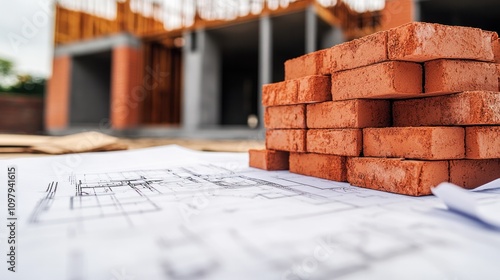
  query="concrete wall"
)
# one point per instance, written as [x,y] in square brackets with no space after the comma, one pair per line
[202,70]
[211,81]
[90,89]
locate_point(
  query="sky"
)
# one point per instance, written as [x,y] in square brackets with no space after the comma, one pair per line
[26,35]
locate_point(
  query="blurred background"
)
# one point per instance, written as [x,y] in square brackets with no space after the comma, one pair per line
[178,68]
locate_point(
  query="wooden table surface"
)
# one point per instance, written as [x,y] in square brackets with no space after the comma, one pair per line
[201,145]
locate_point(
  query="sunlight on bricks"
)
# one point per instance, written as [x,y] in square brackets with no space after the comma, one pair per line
[398,111]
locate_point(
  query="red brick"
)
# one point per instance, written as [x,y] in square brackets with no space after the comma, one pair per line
[58,94]
[421,42]
[289,116]
[430,143]
[293,140]
[356,113]
[392,79]
[308,89]
[466,108]
[282,93]
[306,65]
[408,177]
[496,50]
[471,173]
[449,76]
[314,89]
[498,74]
[482,142]
[489,39]
[356,53]
[341,142]
[328,167]
[268,159]
[126,79]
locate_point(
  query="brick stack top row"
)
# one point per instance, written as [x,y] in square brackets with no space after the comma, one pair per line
[389,53]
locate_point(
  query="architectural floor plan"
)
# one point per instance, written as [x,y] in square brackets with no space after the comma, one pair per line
[171,213]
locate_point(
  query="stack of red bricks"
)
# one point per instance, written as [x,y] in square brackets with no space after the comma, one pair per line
[399,110]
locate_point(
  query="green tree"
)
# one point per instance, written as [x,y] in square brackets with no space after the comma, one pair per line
[27,84]
[5,73]
[13,83]
[5,67]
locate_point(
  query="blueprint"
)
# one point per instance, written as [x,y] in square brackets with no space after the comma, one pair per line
[173,213]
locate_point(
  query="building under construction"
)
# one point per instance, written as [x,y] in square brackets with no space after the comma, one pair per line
[190,65]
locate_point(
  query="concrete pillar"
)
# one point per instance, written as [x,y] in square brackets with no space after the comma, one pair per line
[191,81]
[201,97]
[311,29]
[265,59]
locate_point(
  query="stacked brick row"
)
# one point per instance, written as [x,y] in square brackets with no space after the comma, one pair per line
[399,110]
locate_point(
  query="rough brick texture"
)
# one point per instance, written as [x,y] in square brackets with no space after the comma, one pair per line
[292,140]
[281,93]
[355,113]
[482,142]
[314,89]
[421,42]
[322,166]
[392,79]
[496,50]
[364,51]
[341,142]
[470,173]
[57,98]
[408,177]
[467,108]
[449,76]
[291,116]
[306,65]
[489,39]
[430,143]
[268,159]
[308,89]
[498,75]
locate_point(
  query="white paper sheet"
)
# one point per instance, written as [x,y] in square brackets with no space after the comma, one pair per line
[464,202]
[172,213]
[495,184]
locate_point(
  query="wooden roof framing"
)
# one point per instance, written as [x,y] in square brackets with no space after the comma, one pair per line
[74,25]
